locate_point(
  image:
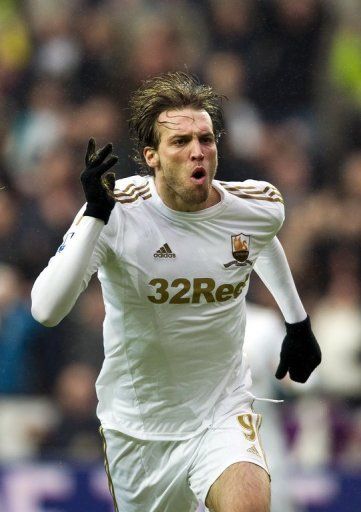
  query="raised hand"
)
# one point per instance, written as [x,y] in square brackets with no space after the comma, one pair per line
[97,182]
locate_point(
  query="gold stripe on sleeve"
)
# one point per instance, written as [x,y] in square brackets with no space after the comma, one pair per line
[145,194]
[268,193]
[130,190]
[260,198]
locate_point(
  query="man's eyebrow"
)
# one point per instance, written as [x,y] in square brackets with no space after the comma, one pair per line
[180,136]
[206,134]
[201,134]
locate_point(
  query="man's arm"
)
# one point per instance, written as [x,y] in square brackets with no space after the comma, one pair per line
[58,286]
[272,267]
[300,352]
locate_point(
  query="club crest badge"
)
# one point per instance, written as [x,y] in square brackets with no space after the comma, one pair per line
[240,247]
[240,251]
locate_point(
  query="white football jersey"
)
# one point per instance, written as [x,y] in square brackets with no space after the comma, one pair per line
[174,287]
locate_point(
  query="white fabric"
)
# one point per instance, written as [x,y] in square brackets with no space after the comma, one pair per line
[264,334]
[55,291]
[166,364]
[174,476]
[273,269]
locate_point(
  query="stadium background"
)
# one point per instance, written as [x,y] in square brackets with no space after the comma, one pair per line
[291,70]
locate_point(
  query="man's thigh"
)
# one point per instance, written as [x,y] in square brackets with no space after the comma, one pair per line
[226,450]
[242,487]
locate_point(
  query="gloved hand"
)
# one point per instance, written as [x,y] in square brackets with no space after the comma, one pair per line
[300,352]
[96,181]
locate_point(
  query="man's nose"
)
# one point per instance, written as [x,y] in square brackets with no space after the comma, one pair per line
[196,150]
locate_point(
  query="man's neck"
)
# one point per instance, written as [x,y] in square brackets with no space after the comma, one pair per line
[175,202]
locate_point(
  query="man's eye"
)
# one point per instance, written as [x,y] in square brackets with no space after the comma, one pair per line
[179,142]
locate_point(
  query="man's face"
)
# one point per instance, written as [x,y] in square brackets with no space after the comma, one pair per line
[185,161]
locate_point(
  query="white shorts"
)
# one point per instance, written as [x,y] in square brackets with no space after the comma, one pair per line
[174,476]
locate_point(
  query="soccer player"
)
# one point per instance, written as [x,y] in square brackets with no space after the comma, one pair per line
[174,249]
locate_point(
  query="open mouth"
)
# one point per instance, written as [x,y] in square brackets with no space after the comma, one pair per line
[199,175]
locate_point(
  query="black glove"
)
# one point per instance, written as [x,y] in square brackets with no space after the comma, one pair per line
[300,352]
[97,183]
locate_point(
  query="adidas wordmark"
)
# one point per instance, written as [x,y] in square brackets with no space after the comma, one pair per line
[164,252]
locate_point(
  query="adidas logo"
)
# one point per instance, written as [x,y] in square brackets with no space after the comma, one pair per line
[253,450]
[164,252]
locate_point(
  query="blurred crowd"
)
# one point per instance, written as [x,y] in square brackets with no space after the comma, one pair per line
[290,71]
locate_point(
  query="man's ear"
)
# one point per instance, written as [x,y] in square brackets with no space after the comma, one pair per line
[151,157]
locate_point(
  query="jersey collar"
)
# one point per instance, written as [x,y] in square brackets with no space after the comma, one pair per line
[207,213]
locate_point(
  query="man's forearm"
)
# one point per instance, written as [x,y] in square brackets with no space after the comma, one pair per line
[58,286]
[272,267]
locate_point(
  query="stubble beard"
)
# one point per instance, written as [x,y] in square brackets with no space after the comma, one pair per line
[189,195]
